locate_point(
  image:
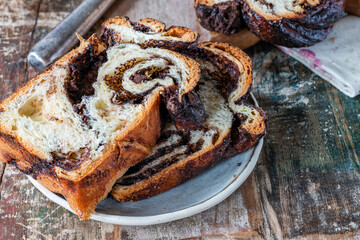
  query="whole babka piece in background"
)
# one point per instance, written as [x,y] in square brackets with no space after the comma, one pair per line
[287,23]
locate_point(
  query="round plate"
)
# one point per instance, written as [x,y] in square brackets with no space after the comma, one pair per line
[194,196]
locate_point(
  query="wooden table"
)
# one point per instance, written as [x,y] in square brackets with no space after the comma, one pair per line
[306,184]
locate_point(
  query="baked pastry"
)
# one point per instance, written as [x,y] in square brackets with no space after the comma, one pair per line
[232,126]
[220,16]
[292,23]
[186,111]
[78,126]
[147,32]
[288,23]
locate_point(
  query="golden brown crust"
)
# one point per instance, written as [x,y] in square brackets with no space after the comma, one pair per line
[174,175]
[94,182]
[205,2]
[84,194]
[147,26]
[243,134]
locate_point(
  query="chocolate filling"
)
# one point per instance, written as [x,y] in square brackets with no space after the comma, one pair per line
[83,73]
[139,27]
[148,74]
[146,174]
[71,160]
[187,114]
[224,17]
[226,72]
[185,139]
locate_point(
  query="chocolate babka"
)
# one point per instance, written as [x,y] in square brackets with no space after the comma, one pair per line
[96,113]
[292,23]
[78,126]
[232,126]
[288,23]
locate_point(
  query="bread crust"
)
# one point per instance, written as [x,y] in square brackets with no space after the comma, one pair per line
[182,35]
[93,183]
[174,175]
[224,17]
[239,89]
[244,135]
[83,194]
[239,138]
[186,116]
[295,29]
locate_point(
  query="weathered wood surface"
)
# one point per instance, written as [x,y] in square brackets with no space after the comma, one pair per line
[307,182]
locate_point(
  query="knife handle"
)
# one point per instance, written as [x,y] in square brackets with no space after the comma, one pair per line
[62,38]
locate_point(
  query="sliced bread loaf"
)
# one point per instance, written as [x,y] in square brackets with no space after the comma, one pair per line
[78,126]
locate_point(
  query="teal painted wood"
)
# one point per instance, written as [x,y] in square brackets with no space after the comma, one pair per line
[312,148]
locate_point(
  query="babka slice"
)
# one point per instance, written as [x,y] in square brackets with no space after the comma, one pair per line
[231,127]
[186,111]
[78,126]
[292,23]
[147,32]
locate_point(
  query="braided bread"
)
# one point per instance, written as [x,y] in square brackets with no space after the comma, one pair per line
[79,125]
[231,125]
[288,23]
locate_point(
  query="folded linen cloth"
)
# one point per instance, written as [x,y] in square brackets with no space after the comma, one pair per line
[337,58]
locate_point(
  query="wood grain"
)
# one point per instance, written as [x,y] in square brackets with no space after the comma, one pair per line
[307,182]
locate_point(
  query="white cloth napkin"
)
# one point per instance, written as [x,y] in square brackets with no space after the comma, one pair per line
[337,58]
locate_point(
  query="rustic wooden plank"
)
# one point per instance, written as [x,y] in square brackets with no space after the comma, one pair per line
[311,149]
[40,217]
[306,184]
[17,21]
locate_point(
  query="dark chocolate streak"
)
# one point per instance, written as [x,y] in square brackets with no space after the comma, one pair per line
[139,27]
[71,160]
[83,73]
[242,140]
[227,73]
[36,165]
[223,17]
[148,74]
[187,114]
[146,174]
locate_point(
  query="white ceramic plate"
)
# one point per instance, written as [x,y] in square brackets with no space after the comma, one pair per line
[194,196]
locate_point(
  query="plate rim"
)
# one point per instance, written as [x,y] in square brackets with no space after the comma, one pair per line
[171,216]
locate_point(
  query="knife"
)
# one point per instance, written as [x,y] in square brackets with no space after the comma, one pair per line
[62,38]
